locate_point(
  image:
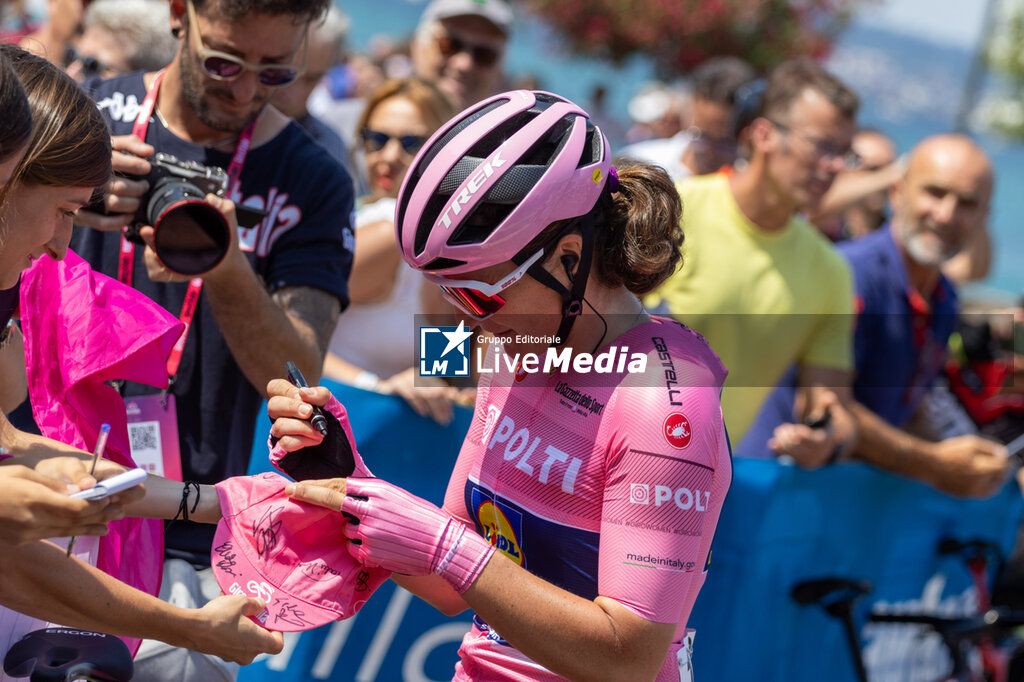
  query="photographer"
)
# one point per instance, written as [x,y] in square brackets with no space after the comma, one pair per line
[277,291]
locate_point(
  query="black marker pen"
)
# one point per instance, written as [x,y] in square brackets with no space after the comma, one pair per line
[295,376]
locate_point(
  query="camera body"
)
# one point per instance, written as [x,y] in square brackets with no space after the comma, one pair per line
[168,174]
[168,177]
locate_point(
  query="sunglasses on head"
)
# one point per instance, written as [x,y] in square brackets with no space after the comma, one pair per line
[482,55]
[375,140]
[227,67]
[90,65]
[480,300]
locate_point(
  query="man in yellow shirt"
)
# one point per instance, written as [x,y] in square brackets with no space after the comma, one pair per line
[758,281]
[769,292]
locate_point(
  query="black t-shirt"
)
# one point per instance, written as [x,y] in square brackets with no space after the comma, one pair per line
[306,240]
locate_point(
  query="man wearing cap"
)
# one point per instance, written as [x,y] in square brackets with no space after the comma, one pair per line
[459,46]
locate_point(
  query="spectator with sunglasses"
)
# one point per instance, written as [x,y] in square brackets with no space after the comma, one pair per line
[121,36]
[459,46]
[710,142]
[61,156]
[579,516]
[277,293]
[386,294]
[857,203]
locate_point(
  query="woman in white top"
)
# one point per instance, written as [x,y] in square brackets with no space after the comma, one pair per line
[373,346]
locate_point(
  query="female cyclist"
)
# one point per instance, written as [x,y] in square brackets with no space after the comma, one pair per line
[579,517]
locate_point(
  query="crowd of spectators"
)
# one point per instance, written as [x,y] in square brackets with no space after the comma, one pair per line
[821,263]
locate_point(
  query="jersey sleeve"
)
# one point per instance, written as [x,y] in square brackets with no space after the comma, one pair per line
[668,474]
[317,249]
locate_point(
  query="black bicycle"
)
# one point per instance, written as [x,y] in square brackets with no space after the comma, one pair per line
[991,633]
[68,655]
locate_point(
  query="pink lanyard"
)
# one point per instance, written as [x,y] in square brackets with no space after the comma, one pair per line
[126,258]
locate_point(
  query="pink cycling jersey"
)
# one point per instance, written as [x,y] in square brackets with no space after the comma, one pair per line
[602,484]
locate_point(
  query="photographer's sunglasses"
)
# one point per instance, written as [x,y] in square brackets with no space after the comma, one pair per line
[482,55]
[375,140]
[480,300]
[227,67]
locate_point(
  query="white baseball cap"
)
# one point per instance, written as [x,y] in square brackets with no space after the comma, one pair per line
[495,11]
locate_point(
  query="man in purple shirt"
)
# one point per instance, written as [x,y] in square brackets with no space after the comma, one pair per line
[907,310]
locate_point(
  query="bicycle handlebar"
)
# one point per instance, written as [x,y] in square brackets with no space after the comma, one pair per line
[987,624]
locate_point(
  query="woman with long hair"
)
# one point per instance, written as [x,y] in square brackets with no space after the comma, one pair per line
[67,159]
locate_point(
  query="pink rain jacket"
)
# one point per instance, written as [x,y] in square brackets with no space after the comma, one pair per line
[82,329]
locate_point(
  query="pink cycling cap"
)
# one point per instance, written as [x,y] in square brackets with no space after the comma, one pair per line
[290,554]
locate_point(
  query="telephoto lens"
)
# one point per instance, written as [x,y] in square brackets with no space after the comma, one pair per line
[191,236]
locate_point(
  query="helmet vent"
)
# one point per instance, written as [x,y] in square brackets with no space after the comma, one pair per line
[443,263]
[481,223]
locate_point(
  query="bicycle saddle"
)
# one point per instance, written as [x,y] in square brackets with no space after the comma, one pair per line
[59,654]
[826,590]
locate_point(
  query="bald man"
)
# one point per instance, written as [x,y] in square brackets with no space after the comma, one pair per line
[907,310]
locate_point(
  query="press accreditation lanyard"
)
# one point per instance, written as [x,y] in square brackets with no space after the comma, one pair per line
[126,257]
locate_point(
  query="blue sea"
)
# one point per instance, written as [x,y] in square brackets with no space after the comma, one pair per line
[909,88]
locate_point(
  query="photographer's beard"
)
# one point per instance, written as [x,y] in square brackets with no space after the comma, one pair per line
[202,94]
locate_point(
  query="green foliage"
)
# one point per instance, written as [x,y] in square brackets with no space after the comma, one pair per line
[1003,112]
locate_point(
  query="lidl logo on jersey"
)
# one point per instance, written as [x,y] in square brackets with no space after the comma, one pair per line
[502,525]
[444,351]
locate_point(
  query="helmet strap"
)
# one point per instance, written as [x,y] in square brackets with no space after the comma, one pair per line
[572,298]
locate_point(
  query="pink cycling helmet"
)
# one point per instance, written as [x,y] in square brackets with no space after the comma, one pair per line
[491,179]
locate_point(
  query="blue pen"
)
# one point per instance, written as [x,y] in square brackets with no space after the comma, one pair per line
[101,444]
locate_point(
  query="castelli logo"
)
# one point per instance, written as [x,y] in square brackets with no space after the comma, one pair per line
[521,373]
[677,430]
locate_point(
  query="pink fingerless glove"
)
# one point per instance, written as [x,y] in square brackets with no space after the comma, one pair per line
[405,534]
[335,457]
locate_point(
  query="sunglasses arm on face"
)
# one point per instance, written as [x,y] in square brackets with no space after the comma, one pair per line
[477,299]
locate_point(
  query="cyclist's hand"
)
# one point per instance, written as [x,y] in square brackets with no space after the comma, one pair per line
[226,630]
[290,409]
[969,466]
[34,506]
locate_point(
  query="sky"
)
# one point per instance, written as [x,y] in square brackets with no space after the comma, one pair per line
[951,22]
